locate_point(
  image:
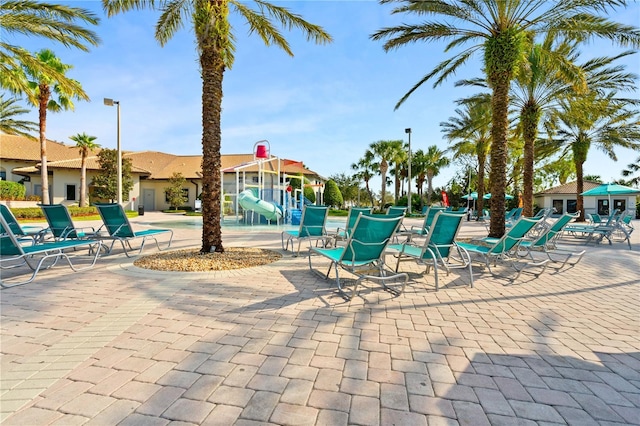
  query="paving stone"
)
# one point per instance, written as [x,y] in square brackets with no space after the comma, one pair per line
[188,410]
[273,366]
[512,389]
[431,406]
[160,401]
[419,384]
[494,402]
[394,397]
[455,392]
[329,400]
[468,413]
[223,415]
[328,379]
[202,388]
[32,416]
[114,413]
[364,410]
[596,407]
[297,392]
[535,411]
[228,395]
[608,394]
[576,416]
[360,387]
[260,406]
[87,405]
[552,397]
[332,418]
[498,420]
[136,391]
[287,414]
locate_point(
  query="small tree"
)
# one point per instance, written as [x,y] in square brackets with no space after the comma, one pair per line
[174,192]
[106,181]
[332,194]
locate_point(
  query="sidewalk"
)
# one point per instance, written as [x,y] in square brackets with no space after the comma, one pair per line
[277,344]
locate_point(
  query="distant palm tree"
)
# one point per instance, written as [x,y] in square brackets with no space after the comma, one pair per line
[594,119]
[419,171]
[39,19]
[42,87]
[469,132]
[435,160]
[9,124]
[384,152]
[499,30]
[216,47]
[85,143]
[633,168]
[364,172]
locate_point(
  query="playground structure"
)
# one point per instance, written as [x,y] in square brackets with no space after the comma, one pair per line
[267,198]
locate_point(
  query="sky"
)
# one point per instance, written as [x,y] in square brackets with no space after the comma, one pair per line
[324,106]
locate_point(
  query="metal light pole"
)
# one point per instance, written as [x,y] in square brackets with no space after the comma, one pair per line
[408,131]
[111,102]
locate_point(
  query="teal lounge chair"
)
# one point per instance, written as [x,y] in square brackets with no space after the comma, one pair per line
[364,252]
[395,211]
[31,234]
[342,234]
[119,228]
[13,254]
[546,243]
[61,225]
[426,224]
[439,247]
[505,249]
[312,228]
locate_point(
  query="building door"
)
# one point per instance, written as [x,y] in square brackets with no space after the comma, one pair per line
[149,199]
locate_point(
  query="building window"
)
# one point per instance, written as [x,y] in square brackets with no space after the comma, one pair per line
[71,192]
[3,174]
[620,205]
[572,206]
[558,205]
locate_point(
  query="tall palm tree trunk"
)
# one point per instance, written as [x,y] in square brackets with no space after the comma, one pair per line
[530,117]
[580,150]
[429,186]
[482,163]
[213,69]
[497,174]
[42,115]
[83,179]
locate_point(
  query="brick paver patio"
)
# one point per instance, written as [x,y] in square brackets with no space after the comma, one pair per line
[277,344]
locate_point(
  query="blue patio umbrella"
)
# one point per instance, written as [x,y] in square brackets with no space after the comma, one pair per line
[609,189]
[488,196]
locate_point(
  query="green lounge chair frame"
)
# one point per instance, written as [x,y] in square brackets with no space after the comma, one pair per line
[546,243]
[342,234]
[312,228]
[505,249]
[602,231]
[364,253]
[119,228]
[61,225]
[396,211]
[13,254]
[423,230]
[439,247]
[32,234]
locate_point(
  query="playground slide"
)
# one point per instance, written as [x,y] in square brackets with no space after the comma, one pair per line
[248,201]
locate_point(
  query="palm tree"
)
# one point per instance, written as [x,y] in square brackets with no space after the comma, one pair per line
[39,19]
[500,30]
[469,132]
[365,170]
[435,160]
[85,143]
[215,43]
[633,168]
[384,152]
[419,171]
[9,124]
[42,87]
[594,119]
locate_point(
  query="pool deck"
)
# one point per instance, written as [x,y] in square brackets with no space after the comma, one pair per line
[277,344]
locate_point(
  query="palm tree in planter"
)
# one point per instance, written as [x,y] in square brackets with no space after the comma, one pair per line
[216,48]
[85,143]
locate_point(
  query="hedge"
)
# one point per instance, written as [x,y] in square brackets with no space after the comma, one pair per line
[36,212]
[12,190]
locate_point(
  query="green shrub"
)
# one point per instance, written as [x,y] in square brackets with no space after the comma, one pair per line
[12,190]
[332,194]
[36,212]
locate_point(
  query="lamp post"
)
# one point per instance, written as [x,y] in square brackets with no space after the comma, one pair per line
[408,131]
[111,102]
